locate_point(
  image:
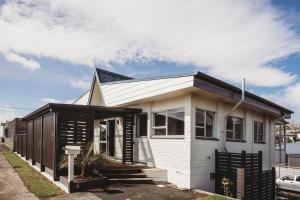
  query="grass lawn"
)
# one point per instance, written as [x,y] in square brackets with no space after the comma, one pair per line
[34,181]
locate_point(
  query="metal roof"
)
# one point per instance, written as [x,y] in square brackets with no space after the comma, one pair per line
[107,76]
[148,78]
[214,81]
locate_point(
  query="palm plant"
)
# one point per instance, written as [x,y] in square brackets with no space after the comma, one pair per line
[86,160]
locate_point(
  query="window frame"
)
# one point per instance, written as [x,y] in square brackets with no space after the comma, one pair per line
[204,127]
[181,109]
[138,125]
[257,133]
[233,130]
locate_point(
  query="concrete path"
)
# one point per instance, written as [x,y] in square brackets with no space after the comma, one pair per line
[11,185]
[77,196]
[13,188]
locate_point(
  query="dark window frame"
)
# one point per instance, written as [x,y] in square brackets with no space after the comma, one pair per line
[204,127]
[138,132]
[256,133]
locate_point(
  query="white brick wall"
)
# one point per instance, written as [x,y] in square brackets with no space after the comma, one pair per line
[203,150]
[167,153]
[190,161]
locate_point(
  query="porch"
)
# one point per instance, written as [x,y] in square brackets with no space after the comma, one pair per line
[52,127]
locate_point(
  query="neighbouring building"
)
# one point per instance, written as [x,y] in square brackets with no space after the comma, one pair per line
[292,154]
[2,125]
[10,128]
[183,120]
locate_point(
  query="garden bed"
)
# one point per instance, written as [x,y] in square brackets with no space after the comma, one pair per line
[79,185]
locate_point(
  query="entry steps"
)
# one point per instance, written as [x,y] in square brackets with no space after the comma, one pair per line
[127,176]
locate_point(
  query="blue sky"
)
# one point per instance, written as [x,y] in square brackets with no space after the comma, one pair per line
[48,49]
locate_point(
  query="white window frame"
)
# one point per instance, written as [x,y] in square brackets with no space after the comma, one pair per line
[257,133]
[204,127]
[233,129]
[166,124]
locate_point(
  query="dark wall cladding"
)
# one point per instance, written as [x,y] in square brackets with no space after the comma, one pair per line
[21,126]
[16,126]
[48,139]
[74,128]
[37,131]
[29,139]
[23,145]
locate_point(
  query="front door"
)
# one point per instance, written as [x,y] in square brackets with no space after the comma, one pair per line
[107,137]
[111,137]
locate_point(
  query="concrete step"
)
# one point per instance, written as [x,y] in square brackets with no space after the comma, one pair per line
[130,180]
[121,171]
[126,175]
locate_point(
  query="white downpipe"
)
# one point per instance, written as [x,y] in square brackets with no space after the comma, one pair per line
[233,109]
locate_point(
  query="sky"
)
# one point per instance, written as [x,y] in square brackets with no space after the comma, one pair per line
[49,48]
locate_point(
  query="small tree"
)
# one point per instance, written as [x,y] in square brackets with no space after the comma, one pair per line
[226,186]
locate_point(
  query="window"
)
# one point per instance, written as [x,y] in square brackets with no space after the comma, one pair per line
[142,122]
[259,133]
[234,129]
[204,123]
[170,122]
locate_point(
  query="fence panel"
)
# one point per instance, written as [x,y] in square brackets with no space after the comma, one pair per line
[29,139]
[258,184]
[48,140]
[37,129]
[23,145]
[20,144]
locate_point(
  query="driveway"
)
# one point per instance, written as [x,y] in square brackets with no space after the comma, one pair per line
[11,185]
[144,192]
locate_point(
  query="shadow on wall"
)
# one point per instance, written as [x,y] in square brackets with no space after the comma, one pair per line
[143,150]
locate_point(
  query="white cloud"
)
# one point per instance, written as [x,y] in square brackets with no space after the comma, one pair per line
[27,63]
[231,39]
[6,112]
[288,97]
[52,100]
[81,84]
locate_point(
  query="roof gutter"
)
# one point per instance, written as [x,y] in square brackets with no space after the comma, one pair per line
[231,111]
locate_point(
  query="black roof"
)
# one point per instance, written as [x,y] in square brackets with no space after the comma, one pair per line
[236,90]
[107,76]
[52,107]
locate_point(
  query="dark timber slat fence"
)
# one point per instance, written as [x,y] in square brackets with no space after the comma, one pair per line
[37,141]
[48,140]
[128,138]
[73,128]
[54,126]
[20,144]
[258,184]
[29,138]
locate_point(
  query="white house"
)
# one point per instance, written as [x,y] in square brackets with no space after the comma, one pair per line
[183,120]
